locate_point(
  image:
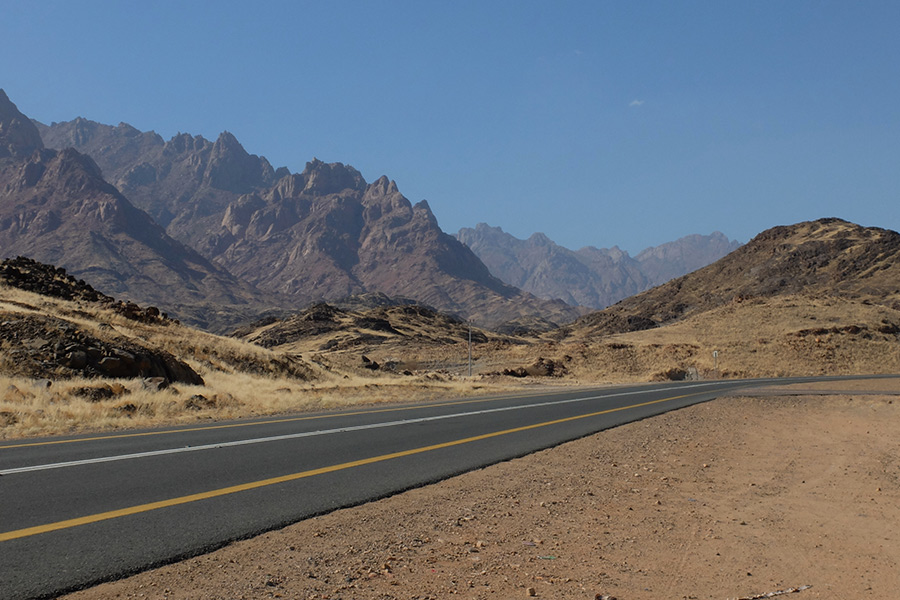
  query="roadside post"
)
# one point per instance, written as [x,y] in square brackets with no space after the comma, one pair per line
[470,348]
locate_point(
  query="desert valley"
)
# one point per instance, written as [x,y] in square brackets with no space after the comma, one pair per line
[148,283]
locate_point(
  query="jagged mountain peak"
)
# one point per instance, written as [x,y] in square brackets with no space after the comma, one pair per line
[226,138]
[540,239]
[423,207]
[383,187]
[71,161]
[128,131]
[19,137]
[183,143]
[232,168]
[331,178]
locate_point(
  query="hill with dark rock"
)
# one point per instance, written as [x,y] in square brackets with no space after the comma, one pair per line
[594,277]
[823,258]
[40,345]
[326,328]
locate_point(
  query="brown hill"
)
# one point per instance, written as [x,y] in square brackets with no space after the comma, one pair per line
[827,258]
[72,357]
[41,345]
[56,207]
[323,327]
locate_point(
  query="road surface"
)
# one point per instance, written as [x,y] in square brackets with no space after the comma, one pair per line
[78,511]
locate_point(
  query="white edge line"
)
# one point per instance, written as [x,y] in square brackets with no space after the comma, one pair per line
[104,459]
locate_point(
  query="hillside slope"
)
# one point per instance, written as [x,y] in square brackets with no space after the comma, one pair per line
[827,257]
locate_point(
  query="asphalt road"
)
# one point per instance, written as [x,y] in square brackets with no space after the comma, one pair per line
[78,511]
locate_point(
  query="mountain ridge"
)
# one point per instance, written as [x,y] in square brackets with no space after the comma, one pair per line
[319,235]
[55,207]
[590,276]
[325,234]
[183,183]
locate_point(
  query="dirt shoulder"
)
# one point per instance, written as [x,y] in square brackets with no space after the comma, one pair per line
[730,499]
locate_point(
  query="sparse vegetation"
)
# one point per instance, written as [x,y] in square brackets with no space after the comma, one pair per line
[328,357]
[789,335]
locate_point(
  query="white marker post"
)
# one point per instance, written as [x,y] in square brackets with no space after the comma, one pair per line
[716,359]
[470,348]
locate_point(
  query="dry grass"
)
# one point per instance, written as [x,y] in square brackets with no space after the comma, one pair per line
[793,335]
[29,408]
[241,379]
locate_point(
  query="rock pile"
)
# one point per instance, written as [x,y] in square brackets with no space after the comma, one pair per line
[542,367]
[33,276]
[38,346]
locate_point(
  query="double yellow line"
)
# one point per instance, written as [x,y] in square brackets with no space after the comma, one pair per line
[142,508]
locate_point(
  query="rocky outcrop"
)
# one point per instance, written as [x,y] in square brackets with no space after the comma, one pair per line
[37,346]
[325,327]
[29,275]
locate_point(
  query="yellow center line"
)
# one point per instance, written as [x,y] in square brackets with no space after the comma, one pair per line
[271,422]
[142,508]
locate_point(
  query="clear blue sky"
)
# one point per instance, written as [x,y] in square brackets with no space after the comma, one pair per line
[598,123]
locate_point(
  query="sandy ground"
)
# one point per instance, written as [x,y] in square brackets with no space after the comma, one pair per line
[735,498]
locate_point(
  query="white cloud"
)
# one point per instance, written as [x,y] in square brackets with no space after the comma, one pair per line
[636,103]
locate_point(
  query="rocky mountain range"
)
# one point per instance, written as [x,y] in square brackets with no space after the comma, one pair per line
[593,277]
[185,184]
[56,207]
[251,236]
[325,234]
